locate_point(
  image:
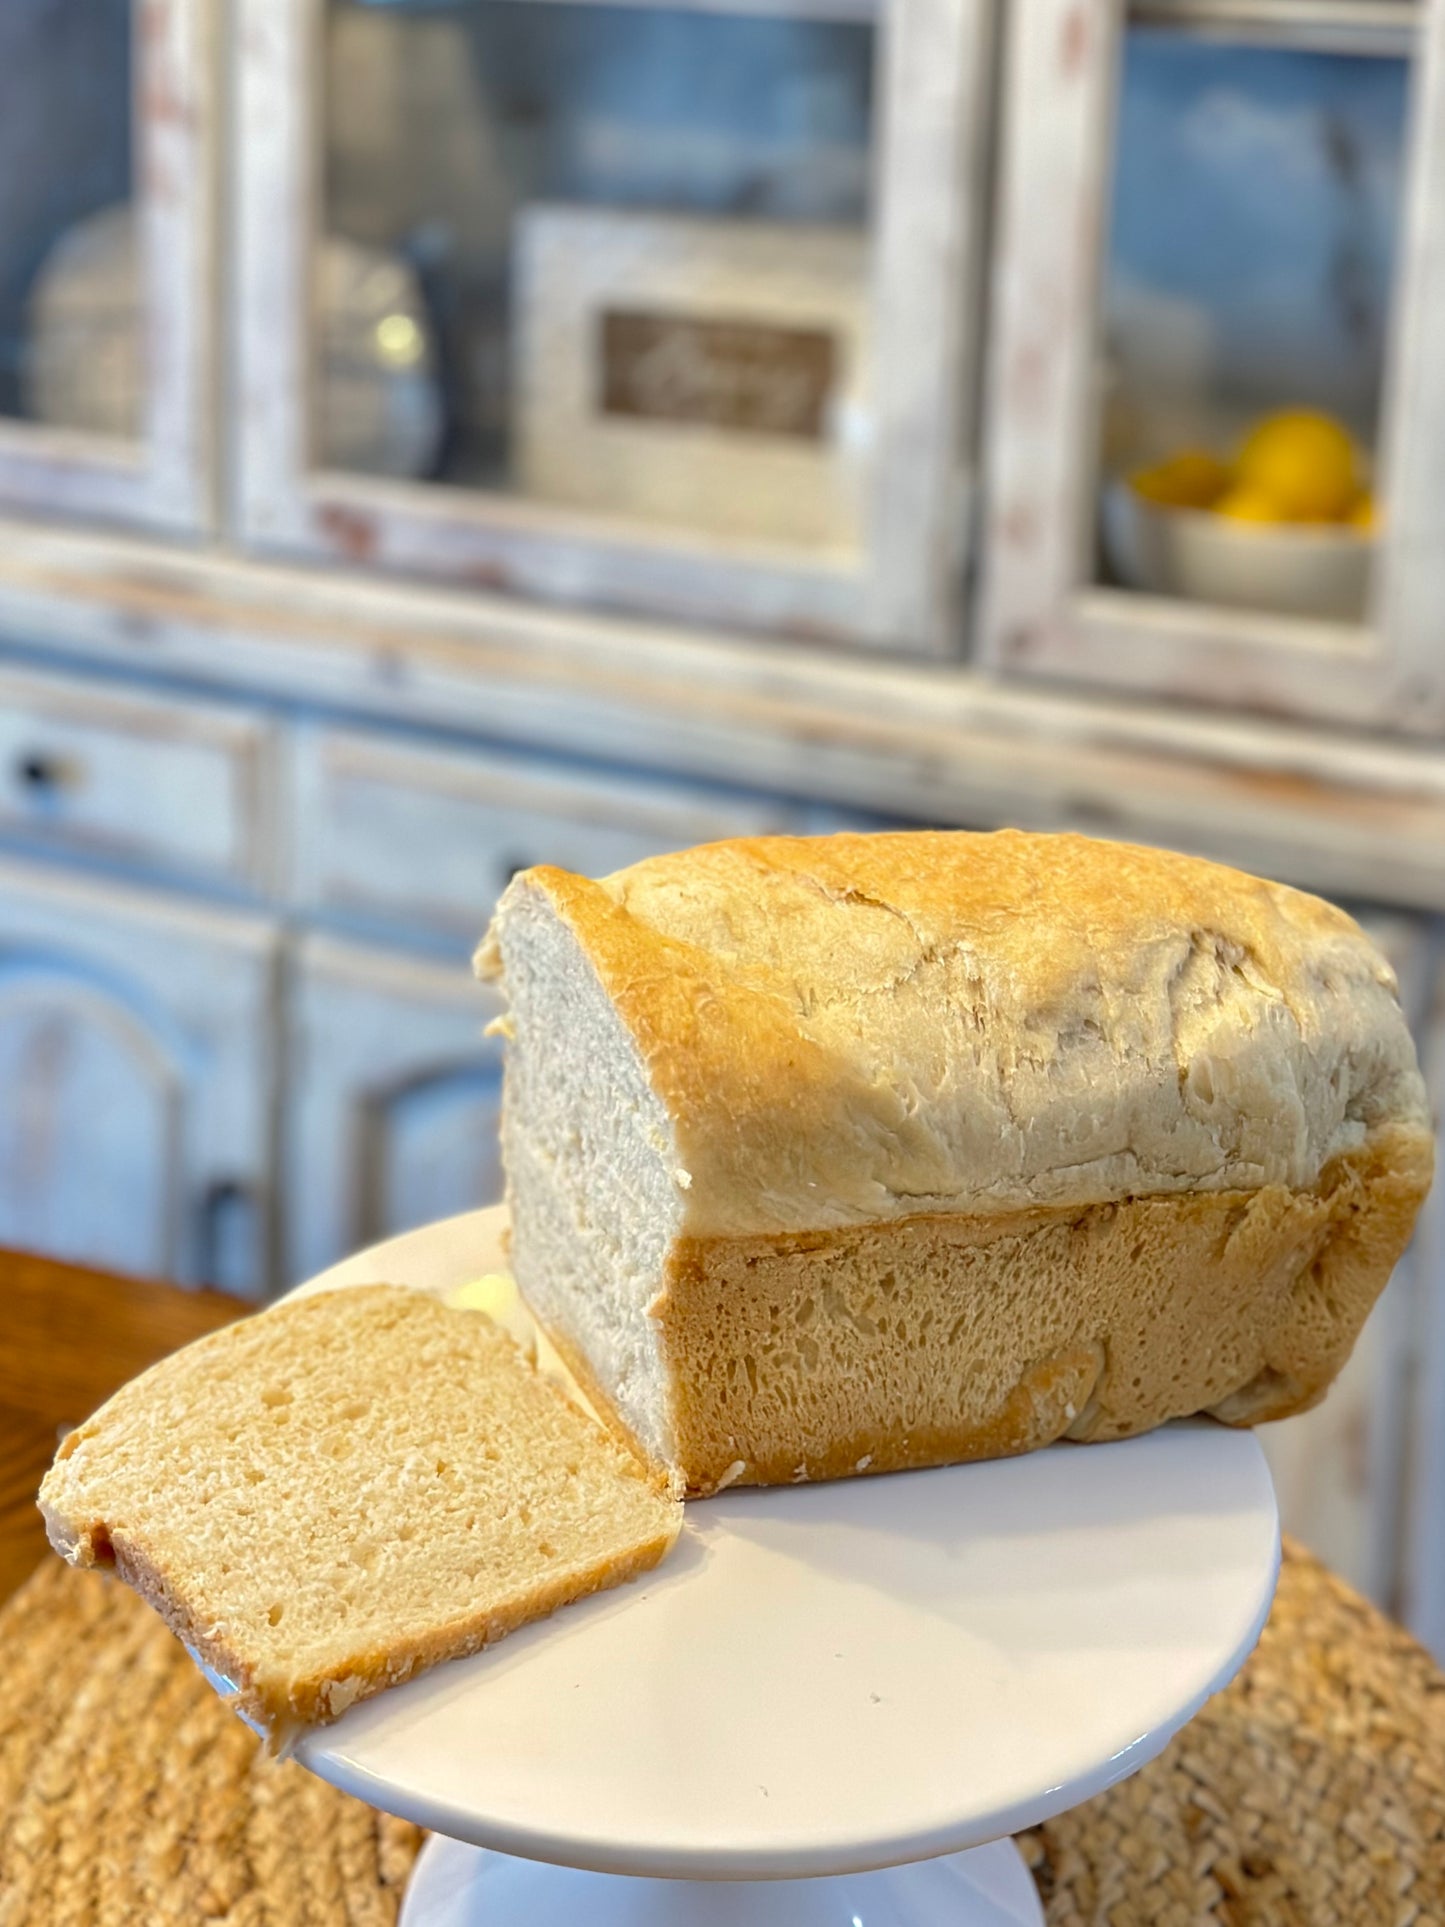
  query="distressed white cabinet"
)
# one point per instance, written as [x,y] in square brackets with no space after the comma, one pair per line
[1343,1472]
[107,299]
[1423,1599]
[393,1099]
[662,309]
[1334,177]
[136,1052]
[416,841]
[184,790]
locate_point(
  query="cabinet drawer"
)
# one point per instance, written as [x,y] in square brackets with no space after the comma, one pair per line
[421,842]
[152,782]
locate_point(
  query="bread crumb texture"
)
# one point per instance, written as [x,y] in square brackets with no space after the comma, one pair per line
[952,1338]
[331,1495]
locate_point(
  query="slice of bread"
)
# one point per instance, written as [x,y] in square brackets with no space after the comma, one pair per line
[328,1497]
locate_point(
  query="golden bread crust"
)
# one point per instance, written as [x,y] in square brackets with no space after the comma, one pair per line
[855,1029]
[283,1704]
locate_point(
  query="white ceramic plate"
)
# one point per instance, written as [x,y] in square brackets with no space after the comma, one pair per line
[823,1679]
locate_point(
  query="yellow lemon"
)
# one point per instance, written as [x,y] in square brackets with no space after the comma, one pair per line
[1192,479]
[1305,462]
[1365,514]
[1243,504]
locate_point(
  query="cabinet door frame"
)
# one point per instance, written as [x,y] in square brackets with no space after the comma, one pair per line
[903,590]
[1424,1588]
[201,983]
[163,479]
[1040,613]
[349,1048]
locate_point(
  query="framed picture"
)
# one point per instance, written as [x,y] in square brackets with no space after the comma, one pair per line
[711,376]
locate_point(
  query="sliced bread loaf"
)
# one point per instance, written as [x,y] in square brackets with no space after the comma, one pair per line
[326,1498]
[856,1153]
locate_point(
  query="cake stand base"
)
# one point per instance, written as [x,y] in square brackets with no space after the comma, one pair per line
[459,1886]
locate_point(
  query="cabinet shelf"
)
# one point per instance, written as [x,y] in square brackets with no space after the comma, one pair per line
[1384,28]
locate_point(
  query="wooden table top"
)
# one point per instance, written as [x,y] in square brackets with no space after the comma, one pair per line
[71,1338]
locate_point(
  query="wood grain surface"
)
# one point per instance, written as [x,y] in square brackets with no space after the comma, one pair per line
[71,1338]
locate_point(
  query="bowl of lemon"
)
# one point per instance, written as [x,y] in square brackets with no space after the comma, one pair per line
[1286,524]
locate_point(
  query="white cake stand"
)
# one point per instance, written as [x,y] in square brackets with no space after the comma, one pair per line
[833,1704]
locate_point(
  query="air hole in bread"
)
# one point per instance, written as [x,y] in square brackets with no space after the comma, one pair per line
[277,1396]
[273,1616]
[1199,1080]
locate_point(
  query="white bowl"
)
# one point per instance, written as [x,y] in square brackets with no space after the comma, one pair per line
[1294,569]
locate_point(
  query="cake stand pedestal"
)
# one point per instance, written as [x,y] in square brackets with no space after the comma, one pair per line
[460,1886]
[833,1704]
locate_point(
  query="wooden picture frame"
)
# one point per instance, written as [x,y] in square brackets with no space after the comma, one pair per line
[162,480]
[902,585]
[1041,615]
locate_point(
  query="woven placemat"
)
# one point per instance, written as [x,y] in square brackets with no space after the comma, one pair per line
[1310,1794]
[130,1796]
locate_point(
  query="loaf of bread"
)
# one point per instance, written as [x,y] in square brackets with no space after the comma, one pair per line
[326,1498]
[846,1154]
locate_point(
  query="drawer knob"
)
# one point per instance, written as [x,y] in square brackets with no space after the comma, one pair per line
[40,773]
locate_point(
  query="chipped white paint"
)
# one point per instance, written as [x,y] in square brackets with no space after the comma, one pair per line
[901,591]
[393,1096]
[1342,1472]
[1344,814]
[137,1037]
[1423,1535]
[1039,616]
[423,839]
[162,480]
[181,788]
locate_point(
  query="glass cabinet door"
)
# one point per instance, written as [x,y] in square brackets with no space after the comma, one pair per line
[103,250]
[635,305]
[1215,414]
